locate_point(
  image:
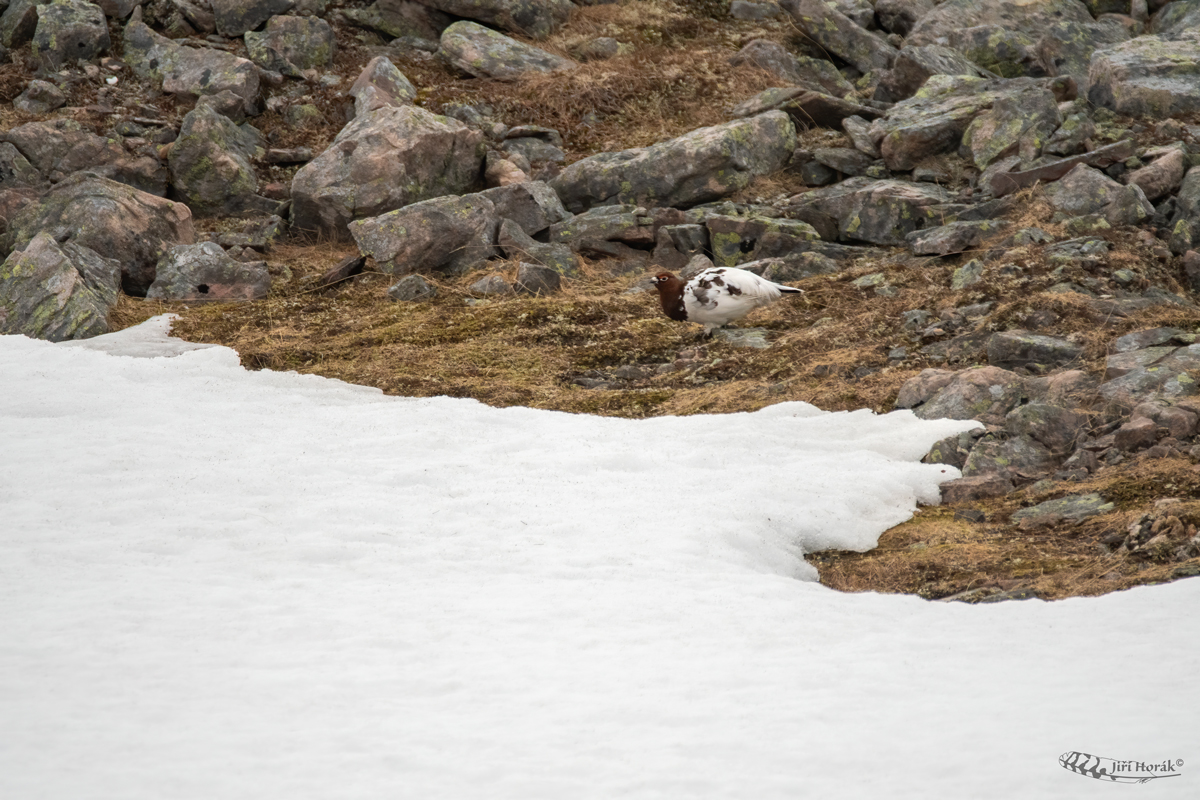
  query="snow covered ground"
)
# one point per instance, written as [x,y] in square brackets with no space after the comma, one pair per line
[217,583]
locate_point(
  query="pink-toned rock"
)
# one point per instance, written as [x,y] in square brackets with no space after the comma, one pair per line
[1137,434]
[977,487]
[1161,177]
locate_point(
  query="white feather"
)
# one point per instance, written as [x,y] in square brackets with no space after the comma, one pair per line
[720,295]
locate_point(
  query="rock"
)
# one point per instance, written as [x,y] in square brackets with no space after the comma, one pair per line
[68,30]
[953,450]
[703,165]
[601,48]
[412,24]
[292,44]
[740,239]
[626,224]
[54,292]
[15,169]
[1072,135]
[490,286]
[1124,363]
[380,84]
[536,19]
[189,71]
[537,280]
[60,147]
[381,161]
[1012,349]
[484,53]
[1057,429]
[1020,458]
[1137,434]
[1018,123]
[531,204]
[234,17]
[839,35]
[884,212]
[450,234]
[811,73]
[110,218]
[957,237]
[1008,182]
[756,12]
[845,161]
[955,15]
[1152,337]
[1179,422]
[1148,76]
[797,266]
[751,338]
[1191,267]
[985,394]
[1161,177]
[915,65]
[18,23]
[1071,509]
[967,275]
[1085,190]
[1167,378]
[899,16]
[1176,20]
[118,9]
[412,289]
[210,165]
[204,273]
[39,97]
[858,129]
[520,246]
[676,245]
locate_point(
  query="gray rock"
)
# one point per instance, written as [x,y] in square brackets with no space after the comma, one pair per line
[623,223]
[920,389]
[412,24]
[531,204]
[292,44]
[537,280]
[676,245]
[39,97]
[751,338]
[110,218]
[838,34]
[1020,458]
[1124,363]
[381,161]
[189,71]
[1176,19]
[448,234]
[484,53]
[953,450]
[967,275]
[811,73]
[536,19]
[1072,509]
[1034,18]
[18,23]
[976,487]
[915,65]
[520,246]
[1071,135]
[204,273]
[703,165]
[412,289]
[210,165]
[882,212]
[61,147]
[1148,76]
[1012,349]
[1166,378]
[1152,337]
[1085,190]
[492,285]
[1019,122]
[601,48]
[845,161]
[234,17]
[15,169]
[1162,176]
[985,394]
[68,30]
[54,292]
[1055,428]
[755,12]
[797,267]
[735,240]
[1137,434]
[899,16]
[957,237]
[380,84]
[858,129]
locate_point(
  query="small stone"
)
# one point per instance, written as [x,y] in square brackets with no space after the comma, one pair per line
[491,285]
[535,279]
[412,289]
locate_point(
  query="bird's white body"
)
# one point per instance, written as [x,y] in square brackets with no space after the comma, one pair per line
[720,295]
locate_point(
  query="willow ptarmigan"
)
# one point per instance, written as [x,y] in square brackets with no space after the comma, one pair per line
[716,296]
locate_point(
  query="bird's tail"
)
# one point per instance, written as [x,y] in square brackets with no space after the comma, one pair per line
[788,289]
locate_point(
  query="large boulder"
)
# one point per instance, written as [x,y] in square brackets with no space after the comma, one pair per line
[397,18]
[1149,76]
[1176,19]
[986,394]
[536,19]
[382,161]
[205,273]
[1086,190]
[68,30]
[915,65]
[485,53]
[1029,16]
[703,165]
[380,84]
[453,235]
[838,34]
[57,292]
[775,59]
[531,204]
[191,72]
[301,42]
[1020,122]
[18,23]
[235,17]
[880,212]
[210,165]
[110,218]
[60,147]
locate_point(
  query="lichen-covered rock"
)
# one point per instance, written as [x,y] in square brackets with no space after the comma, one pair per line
[39,97]
[536,19]
[517,245]
[401,19]
[235,17]
[110,218]
[54,292]
[814,73]
[957,237]
[841,36]
[68,30]
[1166,378]
[449,234]
[1073,509]
[1019,458]
[915,65]
[380,84]
[703,165]
[532,204]
[412,289]
[1149,76]
[1020,123]
[204,273]
[210,165]
[189,71]
[1085,190]
[986,394]
[382,161]
[1017,348]
[302,42]
[18,23]
[1176,19]
[1055,428]
[15,169]
[899,16]
[1028,17]
[735,240]
[884,212]
[60,147]
[484,53]
[537,280]
[1072,134]
[1162,176]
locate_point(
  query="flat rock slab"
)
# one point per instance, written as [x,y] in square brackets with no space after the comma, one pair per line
[204,273]
[484,53]
[1072,509]
[1148,76]
[447,234]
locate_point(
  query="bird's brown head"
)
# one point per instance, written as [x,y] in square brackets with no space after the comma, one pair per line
[664,281]
[670,295]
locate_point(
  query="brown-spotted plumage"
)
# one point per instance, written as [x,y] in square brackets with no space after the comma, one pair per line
[716,296]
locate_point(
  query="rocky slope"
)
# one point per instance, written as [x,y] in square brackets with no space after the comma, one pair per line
[993,208]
